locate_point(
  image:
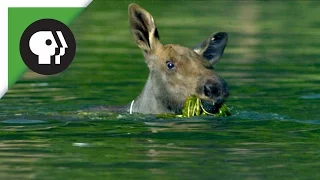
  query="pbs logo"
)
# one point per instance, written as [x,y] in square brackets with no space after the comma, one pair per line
[47,50]
[47,46]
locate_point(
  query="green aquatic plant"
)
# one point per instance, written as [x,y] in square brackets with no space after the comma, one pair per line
[194,107]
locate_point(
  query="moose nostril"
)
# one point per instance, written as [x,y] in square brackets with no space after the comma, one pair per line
[215,91]
[210,90]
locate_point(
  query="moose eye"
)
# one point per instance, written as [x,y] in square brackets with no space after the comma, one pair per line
[170,65]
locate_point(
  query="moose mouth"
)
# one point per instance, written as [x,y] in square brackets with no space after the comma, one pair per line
[195,106]
[210,106]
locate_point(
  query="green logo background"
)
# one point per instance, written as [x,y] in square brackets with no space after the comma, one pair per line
[19,20]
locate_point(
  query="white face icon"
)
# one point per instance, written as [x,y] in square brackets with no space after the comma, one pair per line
[44,45]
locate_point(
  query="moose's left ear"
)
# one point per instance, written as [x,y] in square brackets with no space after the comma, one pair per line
[213,47]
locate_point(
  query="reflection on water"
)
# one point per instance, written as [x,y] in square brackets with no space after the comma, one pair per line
[48,129]
[18,157]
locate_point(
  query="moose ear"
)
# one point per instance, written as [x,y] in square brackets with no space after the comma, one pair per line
[213,47]
[143,28]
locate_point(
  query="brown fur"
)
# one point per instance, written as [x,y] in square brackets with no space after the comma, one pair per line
[167,89]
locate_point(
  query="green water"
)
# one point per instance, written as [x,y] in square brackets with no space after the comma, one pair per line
[271,64]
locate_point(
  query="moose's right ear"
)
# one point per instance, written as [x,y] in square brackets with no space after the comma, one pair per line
[143,28]
[212,48]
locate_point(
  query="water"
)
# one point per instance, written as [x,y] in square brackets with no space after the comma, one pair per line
[271,64]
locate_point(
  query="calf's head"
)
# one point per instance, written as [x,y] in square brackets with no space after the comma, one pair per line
[176,72]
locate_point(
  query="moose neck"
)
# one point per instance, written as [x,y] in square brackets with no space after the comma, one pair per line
[150,101]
